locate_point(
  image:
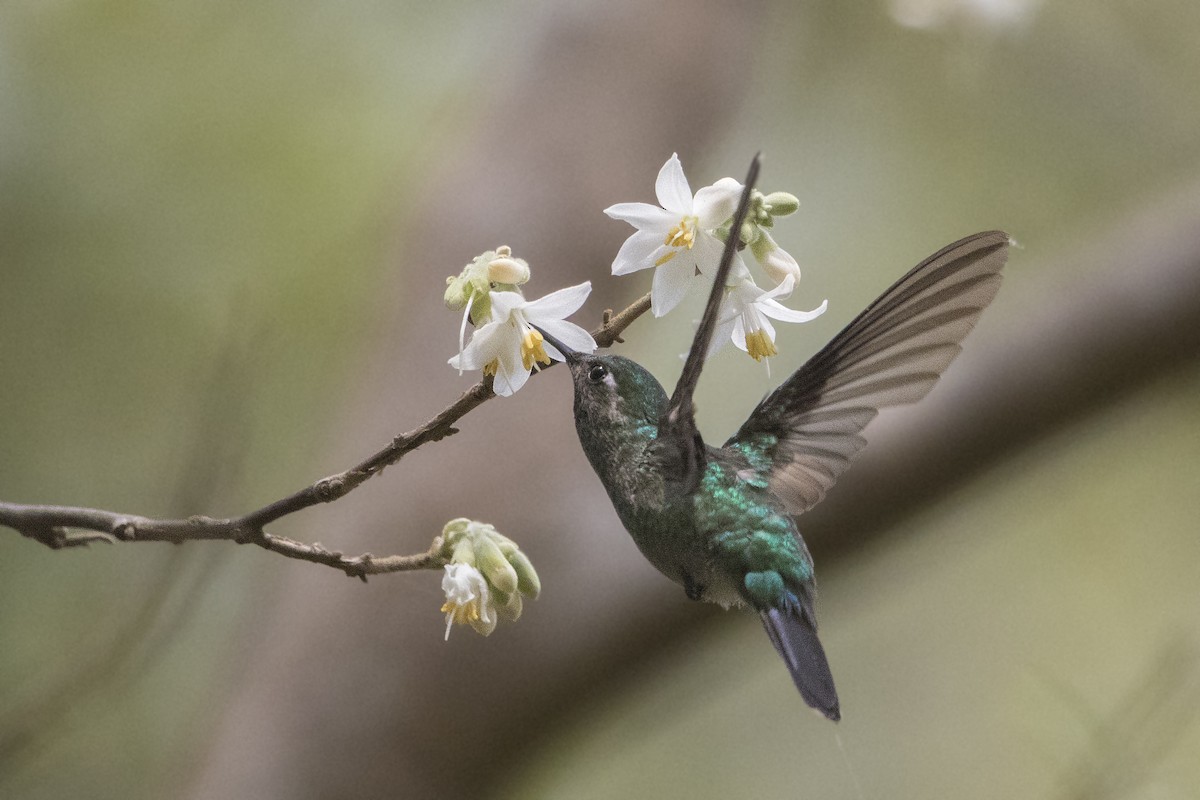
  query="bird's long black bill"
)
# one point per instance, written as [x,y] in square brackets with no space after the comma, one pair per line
[569,354]
[681,399]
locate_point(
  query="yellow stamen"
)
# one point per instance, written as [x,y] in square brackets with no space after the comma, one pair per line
[462,614]
[532,350]
[491,367]
[760,346]
[683,234]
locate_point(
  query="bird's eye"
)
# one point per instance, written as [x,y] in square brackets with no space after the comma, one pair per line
[597,373]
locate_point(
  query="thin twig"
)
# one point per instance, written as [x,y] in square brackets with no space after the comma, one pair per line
[60,527]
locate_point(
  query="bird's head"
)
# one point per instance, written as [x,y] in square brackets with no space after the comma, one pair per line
[612,389]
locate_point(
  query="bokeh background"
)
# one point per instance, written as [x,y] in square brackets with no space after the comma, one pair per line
[224,230]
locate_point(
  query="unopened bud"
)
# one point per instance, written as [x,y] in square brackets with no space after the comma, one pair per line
[780,265]
[458,292]
[494,565]
[527,578]
[508,270]
[463,553]
[749,233]
[782,203]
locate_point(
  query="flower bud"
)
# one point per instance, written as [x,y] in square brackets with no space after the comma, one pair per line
[494,565]
[749,233]
[782,203]
[775,261]
[527,578]
[481,309]
[463,552]
[458,292]
[779,265]
[513,271]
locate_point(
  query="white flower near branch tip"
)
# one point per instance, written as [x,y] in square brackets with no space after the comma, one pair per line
[746,313]
[487,576]
[677,238]
[509,347]
[467,601]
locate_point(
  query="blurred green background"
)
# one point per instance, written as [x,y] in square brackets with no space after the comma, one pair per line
[224,230]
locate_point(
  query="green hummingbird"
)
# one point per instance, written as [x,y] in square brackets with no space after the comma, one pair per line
[720,521]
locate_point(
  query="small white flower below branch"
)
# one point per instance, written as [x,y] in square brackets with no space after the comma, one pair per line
[486,577]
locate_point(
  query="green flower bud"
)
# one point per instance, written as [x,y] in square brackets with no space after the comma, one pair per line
[494,565]
[763,247]
[481,309]
[528,582]
[782,203]
[457,293]
[463,552]
[749,233]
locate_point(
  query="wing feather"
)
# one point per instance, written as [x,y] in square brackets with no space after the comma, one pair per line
[808,429]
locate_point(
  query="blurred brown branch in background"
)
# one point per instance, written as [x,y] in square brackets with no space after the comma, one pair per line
[60,527]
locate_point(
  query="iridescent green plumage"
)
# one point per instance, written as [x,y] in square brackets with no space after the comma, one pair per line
[720,521]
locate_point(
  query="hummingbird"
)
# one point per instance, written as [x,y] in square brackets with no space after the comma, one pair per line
[721,521]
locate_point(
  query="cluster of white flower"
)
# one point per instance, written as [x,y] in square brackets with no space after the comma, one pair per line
[486,577]
[683,237]
[505,343]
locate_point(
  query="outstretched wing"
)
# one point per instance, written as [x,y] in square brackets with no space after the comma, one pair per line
[808,430]
[679,443]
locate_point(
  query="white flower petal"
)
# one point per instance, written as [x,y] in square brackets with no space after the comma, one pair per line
[570,334]
[715,204]
[504,303]
[739,333]
[765,325]
[721,335]
[783,289]
[672,188]
[483,347]
[638,252]
[781,265]
[671,282]
[706,254]
[643,216]
[559,304]
[462,330]
[510,377]
[773,308]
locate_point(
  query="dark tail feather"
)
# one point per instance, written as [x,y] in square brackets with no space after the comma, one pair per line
[795,638]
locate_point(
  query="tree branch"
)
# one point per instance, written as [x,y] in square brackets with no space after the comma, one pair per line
[59,527]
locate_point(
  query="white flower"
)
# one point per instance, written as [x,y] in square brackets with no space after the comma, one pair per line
[775,261]
[746,314]
[677,238]
[508,347]
[467,601]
